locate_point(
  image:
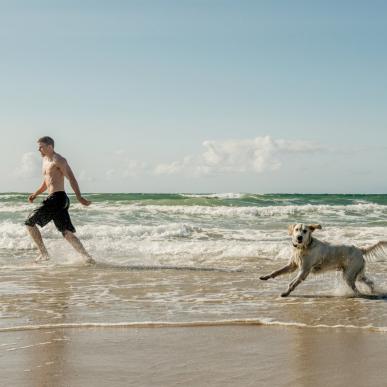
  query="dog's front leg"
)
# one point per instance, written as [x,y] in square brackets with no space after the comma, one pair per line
[301,276]
[290,267]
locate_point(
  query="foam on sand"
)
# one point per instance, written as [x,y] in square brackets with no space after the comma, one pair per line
[189,324]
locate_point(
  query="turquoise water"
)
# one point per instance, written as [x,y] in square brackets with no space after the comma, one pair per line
[186,258]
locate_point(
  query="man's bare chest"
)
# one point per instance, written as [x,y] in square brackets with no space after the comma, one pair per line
[50,169]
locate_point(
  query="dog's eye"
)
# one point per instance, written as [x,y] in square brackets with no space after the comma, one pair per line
[304,231]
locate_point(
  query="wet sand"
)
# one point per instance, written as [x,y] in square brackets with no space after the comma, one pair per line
[211,356]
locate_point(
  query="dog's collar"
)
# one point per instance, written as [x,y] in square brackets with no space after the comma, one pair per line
[311,242]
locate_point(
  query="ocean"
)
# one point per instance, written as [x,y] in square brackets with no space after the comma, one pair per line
[186,260]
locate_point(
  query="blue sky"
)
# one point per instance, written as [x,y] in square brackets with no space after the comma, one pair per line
[197,96]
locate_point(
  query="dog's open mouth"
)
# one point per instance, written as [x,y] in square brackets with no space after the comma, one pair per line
[298,242]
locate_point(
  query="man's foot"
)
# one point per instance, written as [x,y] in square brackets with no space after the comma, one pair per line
[42,258]
[90,261]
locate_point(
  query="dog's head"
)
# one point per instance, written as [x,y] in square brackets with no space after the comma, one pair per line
[302,233]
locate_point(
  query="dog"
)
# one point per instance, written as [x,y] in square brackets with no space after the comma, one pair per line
[313,256]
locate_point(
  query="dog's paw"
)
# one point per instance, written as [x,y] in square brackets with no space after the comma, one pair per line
[264,277]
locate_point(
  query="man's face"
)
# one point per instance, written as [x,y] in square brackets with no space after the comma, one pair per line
[44,149]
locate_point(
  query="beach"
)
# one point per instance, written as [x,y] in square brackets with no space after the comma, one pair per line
[175,296]
[213,356]
[192,194]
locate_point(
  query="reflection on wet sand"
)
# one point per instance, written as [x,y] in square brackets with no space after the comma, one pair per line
[216,356]
[45,359]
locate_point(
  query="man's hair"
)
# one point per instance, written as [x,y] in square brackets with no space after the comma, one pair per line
[46,140]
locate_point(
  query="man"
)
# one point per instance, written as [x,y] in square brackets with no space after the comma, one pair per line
[55,206]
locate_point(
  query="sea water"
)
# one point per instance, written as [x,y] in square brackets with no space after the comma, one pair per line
[187,259]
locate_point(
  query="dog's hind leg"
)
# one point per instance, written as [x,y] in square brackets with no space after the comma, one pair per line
[350,278]
[367,281]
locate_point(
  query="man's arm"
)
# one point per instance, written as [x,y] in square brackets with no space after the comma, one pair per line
[40,190]
[68,173]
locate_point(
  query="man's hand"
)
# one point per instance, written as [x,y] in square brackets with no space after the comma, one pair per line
[84,201]
[31,198]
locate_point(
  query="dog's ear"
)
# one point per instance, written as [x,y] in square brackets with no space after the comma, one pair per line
[291,228]
[313,227]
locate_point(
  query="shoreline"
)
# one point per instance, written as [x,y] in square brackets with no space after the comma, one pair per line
[149,325]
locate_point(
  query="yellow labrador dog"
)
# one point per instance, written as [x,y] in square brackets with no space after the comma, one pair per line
[313,256]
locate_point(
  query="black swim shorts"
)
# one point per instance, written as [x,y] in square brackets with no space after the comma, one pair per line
[54,207]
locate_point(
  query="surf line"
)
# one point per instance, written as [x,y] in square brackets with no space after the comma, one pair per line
[164,267]
[188,324]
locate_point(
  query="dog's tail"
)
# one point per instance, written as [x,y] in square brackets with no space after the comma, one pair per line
[376,251]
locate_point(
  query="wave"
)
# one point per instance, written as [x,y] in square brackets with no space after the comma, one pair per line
[13,196]
[217,196]
[249,211]
[116,210]
[168,244]
[373,212]
[11,207]
[189,324]
[176,243]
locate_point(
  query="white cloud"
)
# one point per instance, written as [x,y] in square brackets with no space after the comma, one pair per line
[110,173]
[83,176]
[123,167]
[133,168]
[256,155]
[30,166]
[238,156]
[174,167]
[235,156]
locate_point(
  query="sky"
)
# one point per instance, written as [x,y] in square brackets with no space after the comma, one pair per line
[196,96]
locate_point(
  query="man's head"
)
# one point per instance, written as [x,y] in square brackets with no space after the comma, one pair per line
[46,145]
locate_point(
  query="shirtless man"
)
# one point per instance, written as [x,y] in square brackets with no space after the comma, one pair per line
[55,206]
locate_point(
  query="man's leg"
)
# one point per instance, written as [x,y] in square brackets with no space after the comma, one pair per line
[37,238]
[76,243]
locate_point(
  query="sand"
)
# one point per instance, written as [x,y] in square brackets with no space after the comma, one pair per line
[202,356]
